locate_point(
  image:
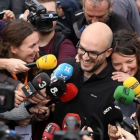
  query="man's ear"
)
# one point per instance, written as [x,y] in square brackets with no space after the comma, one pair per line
[13,49]
[109,51]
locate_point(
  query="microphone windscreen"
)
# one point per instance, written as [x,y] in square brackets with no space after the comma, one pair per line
[56,88]
[69,94]
[48,133]
[124,95]
[46,62]
[63,71]
[41,81]
[112,114]
[64,126]
[132,83]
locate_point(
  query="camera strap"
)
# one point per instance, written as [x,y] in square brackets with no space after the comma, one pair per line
[15,77]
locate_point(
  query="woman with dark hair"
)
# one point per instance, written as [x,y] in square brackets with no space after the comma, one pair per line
[125,59]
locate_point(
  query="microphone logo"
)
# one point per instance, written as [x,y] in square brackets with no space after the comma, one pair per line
[28,89]
[50,129]
[67,69]
[62,77]
[41,84]
[107,110]
[54,90]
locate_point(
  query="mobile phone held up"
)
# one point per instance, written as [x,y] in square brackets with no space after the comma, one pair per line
[1,15]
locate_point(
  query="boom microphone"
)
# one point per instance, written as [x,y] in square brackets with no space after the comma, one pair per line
[41,81]
[48,133]
[45,62]
[125,95]
[133,83]
[64,126]
[63,71]
[110,112]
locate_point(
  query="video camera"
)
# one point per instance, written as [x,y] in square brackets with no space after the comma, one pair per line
[71,133]
[7,96]
[39,17]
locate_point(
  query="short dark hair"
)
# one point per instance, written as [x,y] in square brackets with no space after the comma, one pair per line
[128,43]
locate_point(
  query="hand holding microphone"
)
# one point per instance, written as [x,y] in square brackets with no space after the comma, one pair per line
[45,62]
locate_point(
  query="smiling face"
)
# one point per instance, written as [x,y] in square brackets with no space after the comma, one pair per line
[28,49]
[124,63]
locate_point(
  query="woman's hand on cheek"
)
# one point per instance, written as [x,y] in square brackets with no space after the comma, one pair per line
[120,76]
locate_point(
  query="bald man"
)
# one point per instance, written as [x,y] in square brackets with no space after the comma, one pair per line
[92,77]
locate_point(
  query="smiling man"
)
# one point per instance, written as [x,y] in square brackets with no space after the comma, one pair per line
[92,77]
[97,11]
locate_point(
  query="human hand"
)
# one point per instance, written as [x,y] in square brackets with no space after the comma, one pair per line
[24,122]
[15,65]
[8,15]
[40,108]
[85,137]
[127,135]
[113,133]
[37,97]
[25,15]
[120,76]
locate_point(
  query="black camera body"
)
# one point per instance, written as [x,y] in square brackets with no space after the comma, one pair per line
[38,16]
[130,125]
[71,133]
[7,96]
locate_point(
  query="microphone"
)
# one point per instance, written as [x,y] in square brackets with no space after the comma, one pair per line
[64,126]
[48,133]
[63,71]
[41,81]
[56,88]
[110,112]
[125,95]
[45,62]
[68,95]
[133,83]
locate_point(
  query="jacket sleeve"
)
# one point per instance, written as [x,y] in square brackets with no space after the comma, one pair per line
[4,79]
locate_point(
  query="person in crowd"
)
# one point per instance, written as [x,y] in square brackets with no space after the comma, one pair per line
[125,60]
[20,43]
[66,10]
[47,37]
[94,11]
[92,76]
[128,9]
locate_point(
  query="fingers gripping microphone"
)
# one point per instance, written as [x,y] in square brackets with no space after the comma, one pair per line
[64,126]
[41,81]
[125,95]
[110,112]
[48,133]
[132,83]
[45,62]
[63,71]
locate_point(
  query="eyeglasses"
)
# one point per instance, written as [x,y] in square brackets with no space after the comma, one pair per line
[91,54]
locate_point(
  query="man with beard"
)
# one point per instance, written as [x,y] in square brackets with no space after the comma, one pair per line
[94,11]
[92,77]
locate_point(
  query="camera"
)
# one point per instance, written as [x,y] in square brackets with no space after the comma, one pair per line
[71,133]
[130,125]
[39,17]
[7,96]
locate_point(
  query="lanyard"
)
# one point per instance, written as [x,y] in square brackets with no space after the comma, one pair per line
[26,78]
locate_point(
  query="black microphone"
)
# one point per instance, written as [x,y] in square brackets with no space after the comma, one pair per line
[41,81]
[110,112]
[58,87]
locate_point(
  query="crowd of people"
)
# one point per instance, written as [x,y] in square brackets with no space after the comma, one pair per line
[98,38]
